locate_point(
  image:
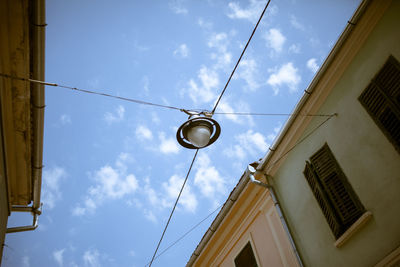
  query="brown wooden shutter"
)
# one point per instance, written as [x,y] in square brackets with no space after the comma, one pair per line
[323,200]
[381,99]
[345,202]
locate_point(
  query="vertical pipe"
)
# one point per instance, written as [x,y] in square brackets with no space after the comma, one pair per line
[280,214]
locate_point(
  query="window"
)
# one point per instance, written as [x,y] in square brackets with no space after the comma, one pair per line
[246,257]
[381,99]
[334,194]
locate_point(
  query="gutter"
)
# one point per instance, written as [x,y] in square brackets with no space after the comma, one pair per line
[37,50]
[263,163]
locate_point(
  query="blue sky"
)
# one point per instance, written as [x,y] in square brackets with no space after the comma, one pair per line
[113,169]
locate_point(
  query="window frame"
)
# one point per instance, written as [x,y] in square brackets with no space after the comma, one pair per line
[248,241]
[337,199]
[376,92]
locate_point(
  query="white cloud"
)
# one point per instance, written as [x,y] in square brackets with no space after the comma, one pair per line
[248,71]
[91,258]
[275,39]
[168,145]
[312,65]
[26,261]
[295,48]
[314,41]
[182,51]
[151,193]
[140,47]
[254,140]
[65,119]
[58,256]
[225,107]
[110,183]
[248,143]
[205,92]
[51,186]
[172,187]
[208,179]
[204,24]
[155,118]
[146,83]
[251,13]
[149,215]
[208,78]
[296,24]
[143,133]
[286,75]
[220,42]
[115,117]
[177,7]
[166,196]
[271,137]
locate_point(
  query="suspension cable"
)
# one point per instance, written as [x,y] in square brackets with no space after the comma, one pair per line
[240,58]
[173,209]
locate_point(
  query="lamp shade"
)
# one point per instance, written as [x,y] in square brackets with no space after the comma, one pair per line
[198,132]
[199,136]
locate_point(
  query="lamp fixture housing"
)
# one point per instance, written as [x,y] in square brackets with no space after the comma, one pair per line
[198,132]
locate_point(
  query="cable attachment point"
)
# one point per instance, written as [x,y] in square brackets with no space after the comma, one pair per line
[190,112]
[206,113]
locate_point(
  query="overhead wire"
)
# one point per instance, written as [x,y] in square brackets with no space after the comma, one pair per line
[212,112]
[271,114]
[240,58]
[91,92]
[137,101]
[173,209]
[184,110]
[282,156]
[304,138]
[186,233]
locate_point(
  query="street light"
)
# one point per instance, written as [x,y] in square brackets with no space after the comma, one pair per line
[199,131]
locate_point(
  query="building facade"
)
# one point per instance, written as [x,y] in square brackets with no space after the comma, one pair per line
[336,177]
[22,28]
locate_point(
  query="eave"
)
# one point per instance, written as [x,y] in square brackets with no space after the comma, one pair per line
[22,35]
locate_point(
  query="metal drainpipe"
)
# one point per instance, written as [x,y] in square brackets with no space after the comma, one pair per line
[279,210]
[35,214]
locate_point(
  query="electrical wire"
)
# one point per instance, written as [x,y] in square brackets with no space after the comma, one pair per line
[282,156]
[185,234]
[304,138]
[271,114]
[173,209]
[137,101]
[240,58]
[91,92]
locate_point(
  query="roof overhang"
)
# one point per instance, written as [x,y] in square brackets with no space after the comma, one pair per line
[22,35]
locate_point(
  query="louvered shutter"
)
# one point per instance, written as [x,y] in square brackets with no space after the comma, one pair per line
[381,99]
[323,200]
[344,201]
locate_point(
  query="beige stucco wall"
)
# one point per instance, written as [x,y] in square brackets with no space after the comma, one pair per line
[254,219]
[369,160]
[264,231]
